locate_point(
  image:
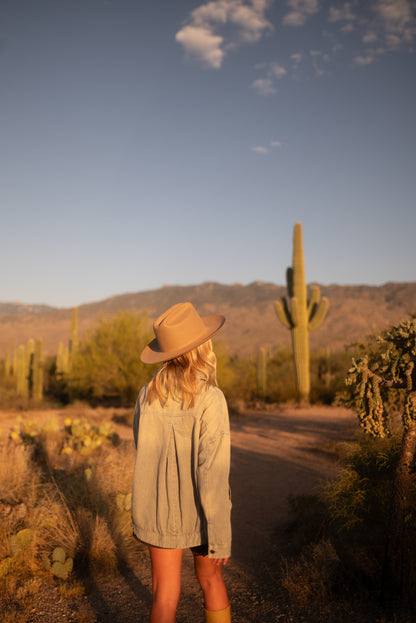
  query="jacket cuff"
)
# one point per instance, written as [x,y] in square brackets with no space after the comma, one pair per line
[218,551]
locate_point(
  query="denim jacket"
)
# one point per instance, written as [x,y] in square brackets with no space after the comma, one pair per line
[181,496]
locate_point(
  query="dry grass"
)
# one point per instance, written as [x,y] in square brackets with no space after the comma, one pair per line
[308,581]
[19,478]
[50,499]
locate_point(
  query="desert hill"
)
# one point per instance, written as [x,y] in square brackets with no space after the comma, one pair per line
[354,311]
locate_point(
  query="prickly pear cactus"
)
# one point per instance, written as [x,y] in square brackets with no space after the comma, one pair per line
[85,438]
[123,501]
[21,541]
[61,564]
[302,315]
[5,565]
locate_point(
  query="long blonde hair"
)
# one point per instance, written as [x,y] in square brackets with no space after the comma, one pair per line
[180,378]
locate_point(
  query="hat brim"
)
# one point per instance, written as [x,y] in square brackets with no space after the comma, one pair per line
[153,354]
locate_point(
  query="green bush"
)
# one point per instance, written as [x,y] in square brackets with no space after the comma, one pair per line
[237,376]
[350,515]
[107,366]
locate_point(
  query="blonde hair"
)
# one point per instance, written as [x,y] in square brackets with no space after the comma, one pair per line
[180,378]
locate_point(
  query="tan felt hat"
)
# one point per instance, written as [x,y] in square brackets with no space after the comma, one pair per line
[179,330]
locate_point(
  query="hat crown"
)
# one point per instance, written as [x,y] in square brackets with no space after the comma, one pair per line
[178,326]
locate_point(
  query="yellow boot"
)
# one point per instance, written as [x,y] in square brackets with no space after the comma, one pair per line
[218,616]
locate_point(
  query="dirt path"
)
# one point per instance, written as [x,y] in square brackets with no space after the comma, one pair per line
[274,454]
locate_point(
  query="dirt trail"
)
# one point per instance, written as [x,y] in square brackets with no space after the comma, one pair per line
[274,454]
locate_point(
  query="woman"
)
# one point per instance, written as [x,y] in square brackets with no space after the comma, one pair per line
[181,496]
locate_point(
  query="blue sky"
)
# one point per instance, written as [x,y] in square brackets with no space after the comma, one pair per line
[145,143]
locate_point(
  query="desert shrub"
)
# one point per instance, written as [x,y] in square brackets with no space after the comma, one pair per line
[328,372]
[239,382]
[107,366]
[280,386]
[237,376]
[309,581]
[349,518]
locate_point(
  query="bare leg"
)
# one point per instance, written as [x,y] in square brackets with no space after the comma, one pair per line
[209,574]
[166,583]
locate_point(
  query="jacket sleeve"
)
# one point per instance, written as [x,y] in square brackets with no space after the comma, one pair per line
[213,475]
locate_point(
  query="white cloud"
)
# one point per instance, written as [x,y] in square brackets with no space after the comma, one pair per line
[299,11]
[203,44]
[316,55]
[273,71]
[264,86]
[296,58]
[343,14]
[260,150]
[395,14]
[364,60]
[246,21]
[393,41]
[397,20]
[277,70]
[370,37]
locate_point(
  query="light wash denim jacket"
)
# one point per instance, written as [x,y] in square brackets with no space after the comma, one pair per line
[181,496]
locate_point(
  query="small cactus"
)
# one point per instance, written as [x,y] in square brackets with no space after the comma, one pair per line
[21,541]
[83,437]
[123,501]
[61,564]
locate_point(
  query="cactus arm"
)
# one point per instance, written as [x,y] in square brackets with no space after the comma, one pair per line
[283,313]
[73,345]
[318,314]
[313,302]
[289,281]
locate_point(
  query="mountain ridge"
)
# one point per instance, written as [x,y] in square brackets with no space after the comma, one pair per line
[354,311]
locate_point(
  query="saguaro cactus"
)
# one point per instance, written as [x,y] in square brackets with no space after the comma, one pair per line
[37,371]
[261,373]
[7,364]
[21,373]
[302,316]
[73,344]
[62,359]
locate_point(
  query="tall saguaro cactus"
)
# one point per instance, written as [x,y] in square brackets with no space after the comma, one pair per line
[261,373]
[22,381]
[73,344]
[302,316]
[37,371]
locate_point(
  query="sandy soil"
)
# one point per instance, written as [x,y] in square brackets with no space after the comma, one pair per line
[275,454]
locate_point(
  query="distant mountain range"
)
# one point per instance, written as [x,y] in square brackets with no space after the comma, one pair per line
[354,311]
